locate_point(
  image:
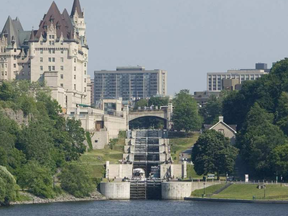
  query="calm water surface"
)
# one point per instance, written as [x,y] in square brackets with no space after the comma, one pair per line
[147,208]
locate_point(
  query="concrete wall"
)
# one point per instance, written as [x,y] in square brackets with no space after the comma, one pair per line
[118,171]
[180,190]
[171,170]
[100,139]
[114,125]
[176,190]
[116,190]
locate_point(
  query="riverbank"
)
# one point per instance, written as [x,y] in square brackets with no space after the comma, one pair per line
[95,196]
[243,193]
[236,200]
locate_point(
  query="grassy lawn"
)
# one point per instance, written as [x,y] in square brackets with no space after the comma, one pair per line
[179,145]
[247,191]
[209,190]
[191,172]
[96,159]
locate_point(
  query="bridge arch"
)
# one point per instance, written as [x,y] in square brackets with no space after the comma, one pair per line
[147,122]
[163,114]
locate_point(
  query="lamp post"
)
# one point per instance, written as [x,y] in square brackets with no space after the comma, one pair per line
[204,189]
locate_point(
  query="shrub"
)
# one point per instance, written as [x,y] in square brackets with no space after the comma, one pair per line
[37,179]
[77,180]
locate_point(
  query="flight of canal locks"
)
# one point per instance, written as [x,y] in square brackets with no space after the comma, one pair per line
[147,170]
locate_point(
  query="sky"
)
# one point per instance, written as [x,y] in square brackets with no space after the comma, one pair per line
[188,38]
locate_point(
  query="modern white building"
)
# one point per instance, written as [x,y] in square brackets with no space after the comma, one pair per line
[215,80]
[56,53]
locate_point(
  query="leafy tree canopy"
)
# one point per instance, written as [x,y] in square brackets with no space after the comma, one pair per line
[213,153]
[77,180]
[185,114]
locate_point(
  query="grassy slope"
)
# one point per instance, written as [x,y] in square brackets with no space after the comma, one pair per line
[96,159]
[246,192]
[179,145]
[191,172]
[208,190]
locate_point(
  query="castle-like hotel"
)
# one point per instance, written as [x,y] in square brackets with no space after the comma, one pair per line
[56,53]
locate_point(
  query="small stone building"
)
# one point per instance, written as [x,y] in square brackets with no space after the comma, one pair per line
[228,131]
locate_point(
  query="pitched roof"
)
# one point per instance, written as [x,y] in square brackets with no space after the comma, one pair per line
[230,127]
[55,18]
[77,7]
[68,21]
[13,31]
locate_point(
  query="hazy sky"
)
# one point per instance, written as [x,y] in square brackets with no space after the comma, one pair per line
[188,38]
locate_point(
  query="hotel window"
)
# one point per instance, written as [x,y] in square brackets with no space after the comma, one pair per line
[6,73]
[62,59]
[62,76]
[41,68]
[41,59]
[74,68]
[62,85]
[62,68]
[85,64]
[53,68]
[41,51]
[49,59]
[85,72]
[84,89]
[74,76]
[53,59]
[14,65]
[62,51]
[74,86]
[74,60]
[49,68]
[85,80]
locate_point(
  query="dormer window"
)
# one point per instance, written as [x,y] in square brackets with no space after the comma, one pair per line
[58,25]
[51,19]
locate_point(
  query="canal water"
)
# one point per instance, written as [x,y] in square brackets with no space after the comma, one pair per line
[145,208]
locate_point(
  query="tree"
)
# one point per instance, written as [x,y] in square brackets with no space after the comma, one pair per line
[36,143]
[141,103]
[77,180]
[185,114]
[212,110]
[7,186]
[77,137]
[213,153]
[281,115]
[256,140]
[37,179]
[158,101]
[279,160]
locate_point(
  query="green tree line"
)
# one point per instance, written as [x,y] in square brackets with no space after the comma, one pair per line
[35,152]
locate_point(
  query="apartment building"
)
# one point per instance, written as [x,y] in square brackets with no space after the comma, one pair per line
[129,83]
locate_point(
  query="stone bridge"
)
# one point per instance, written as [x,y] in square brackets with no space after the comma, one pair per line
[164,112]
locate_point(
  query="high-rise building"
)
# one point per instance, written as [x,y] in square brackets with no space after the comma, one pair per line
[56,53]
[217,82]
[129,83]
